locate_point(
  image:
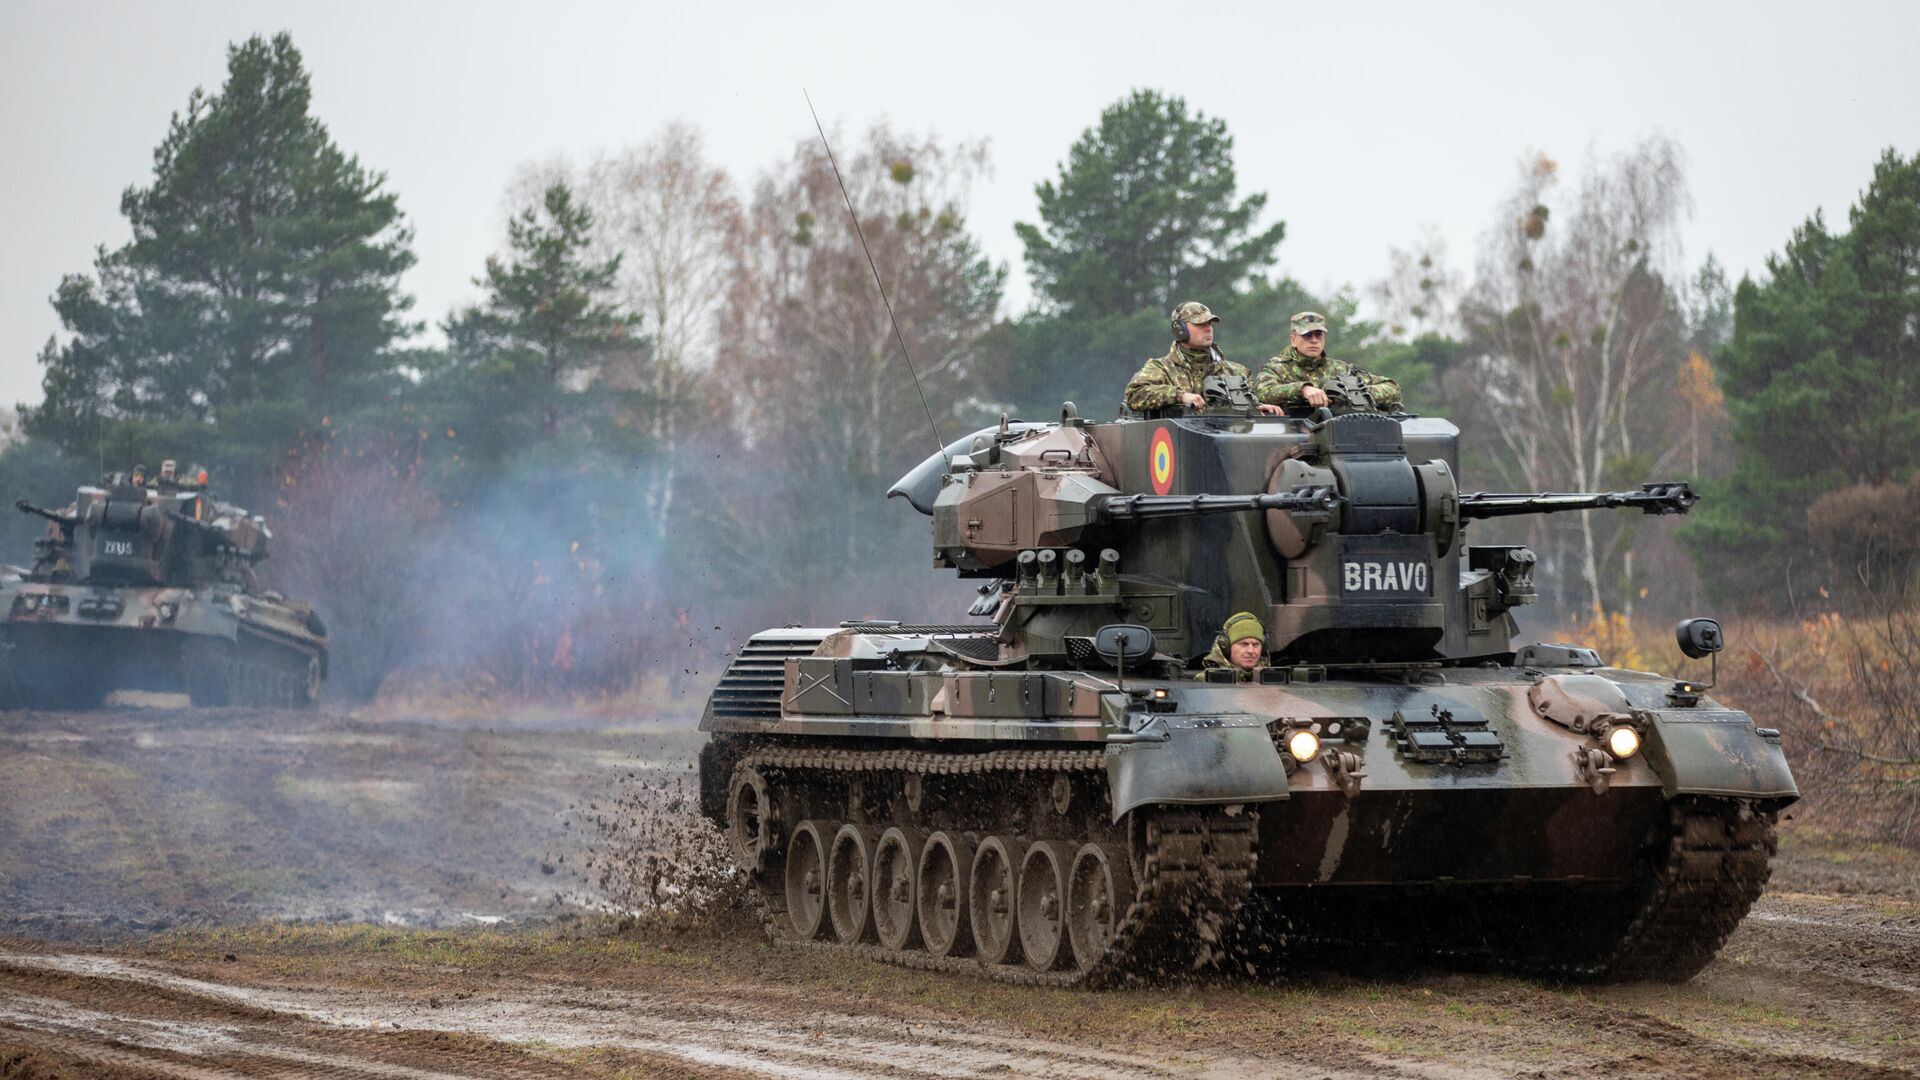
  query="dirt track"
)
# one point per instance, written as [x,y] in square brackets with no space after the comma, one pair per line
[242,893]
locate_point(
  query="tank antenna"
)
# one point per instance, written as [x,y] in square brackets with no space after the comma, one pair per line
[938,446]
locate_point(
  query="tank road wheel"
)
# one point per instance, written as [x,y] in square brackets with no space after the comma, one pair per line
[850,883]
[243,684]
[750,820]
[1043,904]
[895,863]
[991,895]
[941,899]
[286,688]
[309,692]
[806,879]
[1098,891]
[208,673]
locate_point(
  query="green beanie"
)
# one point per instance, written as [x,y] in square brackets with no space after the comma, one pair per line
[1241,625]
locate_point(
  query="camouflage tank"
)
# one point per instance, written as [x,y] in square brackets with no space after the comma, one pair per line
[153,588]
[1061,794]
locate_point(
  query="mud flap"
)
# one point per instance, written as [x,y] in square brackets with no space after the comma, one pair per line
[1716,752]
[1203,760]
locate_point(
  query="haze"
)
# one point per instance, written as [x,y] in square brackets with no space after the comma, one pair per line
[1367,124]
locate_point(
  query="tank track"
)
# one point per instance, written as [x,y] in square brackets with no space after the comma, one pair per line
[1718,860]
[1705,865]
[1192,870]
[1191,867]
[255,672]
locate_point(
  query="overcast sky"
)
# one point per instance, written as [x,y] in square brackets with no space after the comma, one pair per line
[1366,123]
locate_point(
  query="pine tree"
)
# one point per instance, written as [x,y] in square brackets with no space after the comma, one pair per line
[1822,381]
[260,291]
[1144,215]
[547,319]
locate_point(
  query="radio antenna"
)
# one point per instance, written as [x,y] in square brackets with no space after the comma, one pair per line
[938,446]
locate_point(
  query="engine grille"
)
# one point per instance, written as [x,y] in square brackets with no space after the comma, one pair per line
[984,649]
[750,689]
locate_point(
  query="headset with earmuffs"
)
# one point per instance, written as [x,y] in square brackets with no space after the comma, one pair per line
[1180,332]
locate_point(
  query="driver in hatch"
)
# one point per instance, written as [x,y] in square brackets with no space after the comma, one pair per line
[1298,374]
[1241,648]
[1176,378]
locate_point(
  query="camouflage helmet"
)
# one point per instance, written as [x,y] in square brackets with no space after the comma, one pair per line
[1306,322]
[1193,313]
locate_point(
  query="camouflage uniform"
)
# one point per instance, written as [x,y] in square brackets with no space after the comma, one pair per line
[1286,375]
[1182,371]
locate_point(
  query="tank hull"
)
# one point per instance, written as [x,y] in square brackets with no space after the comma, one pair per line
[1445,811]
[69,646]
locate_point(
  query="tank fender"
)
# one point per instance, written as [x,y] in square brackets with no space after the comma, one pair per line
[1716,752]
[1205,759]
[1694,751]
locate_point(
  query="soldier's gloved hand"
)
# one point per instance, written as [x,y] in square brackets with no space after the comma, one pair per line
[1194,400]
[1313,395]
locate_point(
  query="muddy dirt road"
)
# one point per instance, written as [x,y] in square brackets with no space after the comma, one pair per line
[241,893]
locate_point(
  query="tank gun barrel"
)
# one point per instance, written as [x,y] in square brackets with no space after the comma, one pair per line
[54,516]
[1303,502]
[1661,498]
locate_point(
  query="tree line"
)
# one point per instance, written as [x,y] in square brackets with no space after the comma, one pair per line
[672,413]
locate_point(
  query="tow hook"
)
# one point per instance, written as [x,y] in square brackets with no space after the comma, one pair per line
[1345,769]
[1153,731]
[1594,767]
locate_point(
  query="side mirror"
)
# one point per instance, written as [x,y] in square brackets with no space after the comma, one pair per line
[1123,642]
[1699,637]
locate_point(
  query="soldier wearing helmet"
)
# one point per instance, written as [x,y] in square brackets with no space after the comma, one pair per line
[1297,376]
[1176,378]
[1240,648]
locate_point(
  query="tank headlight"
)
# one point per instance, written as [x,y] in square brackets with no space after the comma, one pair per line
[1304,746]
[1623,742]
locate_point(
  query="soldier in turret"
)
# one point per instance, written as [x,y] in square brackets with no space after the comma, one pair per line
[1176,378]
[1240,648]
[1297,376]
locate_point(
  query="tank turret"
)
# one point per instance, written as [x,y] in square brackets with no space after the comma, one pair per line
[1346,526]
[127,535]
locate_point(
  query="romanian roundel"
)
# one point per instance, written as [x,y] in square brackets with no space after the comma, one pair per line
[1160,462]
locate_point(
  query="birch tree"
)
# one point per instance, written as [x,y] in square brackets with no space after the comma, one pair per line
[1420,293]
[667,214]
[809,349]
[1578,335]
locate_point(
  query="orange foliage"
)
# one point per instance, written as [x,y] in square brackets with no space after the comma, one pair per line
[1612,635]
[1698,386]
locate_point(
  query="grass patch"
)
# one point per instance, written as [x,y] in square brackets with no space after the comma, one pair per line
[362,801]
